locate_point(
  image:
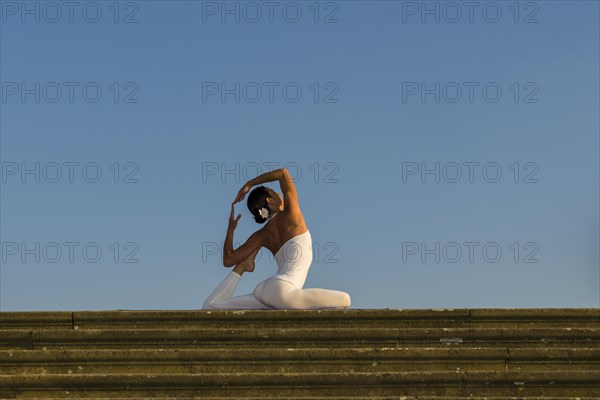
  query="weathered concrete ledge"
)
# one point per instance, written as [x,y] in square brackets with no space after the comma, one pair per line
[411,354]
[8,318]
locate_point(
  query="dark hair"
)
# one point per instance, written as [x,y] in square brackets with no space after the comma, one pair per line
[256,200]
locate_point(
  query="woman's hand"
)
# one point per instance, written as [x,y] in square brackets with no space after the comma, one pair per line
[233,222]
[242,193]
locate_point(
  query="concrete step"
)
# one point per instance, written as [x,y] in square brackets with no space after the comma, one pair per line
[531,336]
[352,318]
[419,354]
[432,383]
[13,362]
[375,397]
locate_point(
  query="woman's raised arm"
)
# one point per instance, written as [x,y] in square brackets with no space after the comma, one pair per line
[290,196]
[253,244]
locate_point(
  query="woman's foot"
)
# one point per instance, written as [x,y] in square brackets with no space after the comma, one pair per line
[247,265]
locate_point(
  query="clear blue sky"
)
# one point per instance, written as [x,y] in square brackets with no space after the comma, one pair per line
[343,94]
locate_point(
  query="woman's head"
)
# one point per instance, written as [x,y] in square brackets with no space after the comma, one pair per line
[264,197]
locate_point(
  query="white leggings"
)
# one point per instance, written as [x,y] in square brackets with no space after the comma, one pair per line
[274,294]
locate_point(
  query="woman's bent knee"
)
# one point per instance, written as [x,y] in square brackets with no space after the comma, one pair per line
[347,300]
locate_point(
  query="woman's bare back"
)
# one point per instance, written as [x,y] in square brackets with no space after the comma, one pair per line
[280,228]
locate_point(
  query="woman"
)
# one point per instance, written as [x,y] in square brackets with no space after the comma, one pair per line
[288,238]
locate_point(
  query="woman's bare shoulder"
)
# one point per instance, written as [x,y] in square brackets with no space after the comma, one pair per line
[291,224]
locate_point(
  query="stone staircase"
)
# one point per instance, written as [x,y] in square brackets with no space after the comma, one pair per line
[412,354]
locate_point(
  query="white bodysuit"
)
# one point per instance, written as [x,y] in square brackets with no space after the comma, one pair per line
[294,259]
[284,290]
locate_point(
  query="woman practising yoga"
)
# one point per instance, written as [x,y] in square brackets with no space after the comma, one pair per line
[288,238]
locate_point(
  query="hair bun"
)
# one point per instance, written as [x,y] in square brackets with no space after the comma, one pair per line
[257,204]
